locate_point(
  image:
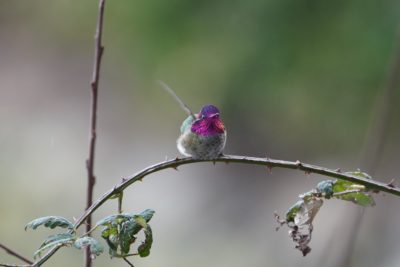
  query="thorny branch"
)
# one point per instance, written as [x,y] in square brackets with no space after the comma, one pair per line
[269,163]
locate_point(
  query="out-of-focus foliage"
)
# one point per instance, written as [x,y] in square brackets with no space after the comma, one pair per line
[316,64]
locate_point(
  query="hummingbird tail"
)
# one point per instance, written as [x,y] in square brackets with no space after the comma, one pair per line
[175,96]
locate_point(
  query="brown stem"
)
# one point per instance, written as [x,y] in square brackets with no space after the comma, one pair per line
[99,48]
[15,254]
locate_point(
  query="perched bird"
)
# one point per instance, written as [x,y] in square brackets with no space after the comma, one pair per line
[203,135]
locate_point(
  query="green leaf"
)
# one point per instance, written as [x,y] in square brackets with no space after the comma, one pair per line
[133,227]
[341,185]
[51,222]
[54,240]
[355,193]
[360,198]
[141,221]
[293,210]
[144,248]
[120,230]
[119,218]
[116,218]
[360,174]
[56,237]
[126,236]
[147,214]
[110,234]
[96,248]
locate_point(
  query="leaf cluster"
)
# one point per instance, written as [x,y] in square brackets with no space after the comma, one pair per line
[120,232]
[299,218]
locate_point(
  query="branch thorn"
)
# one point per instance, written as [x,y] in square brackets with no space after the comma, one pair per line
[175,167]
[391,183]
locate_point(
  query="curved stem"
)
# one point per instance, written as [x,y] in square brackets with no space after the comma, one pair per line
[270,163]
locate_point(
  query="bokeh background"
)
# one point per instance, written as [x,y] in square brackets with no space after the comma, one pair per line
[295,80]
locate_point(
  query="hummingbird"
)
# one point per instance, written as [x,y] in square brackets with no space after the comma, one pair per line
[202,135]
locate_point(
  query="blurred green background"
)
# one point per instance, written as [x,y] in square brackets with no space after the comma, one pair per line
[295,80]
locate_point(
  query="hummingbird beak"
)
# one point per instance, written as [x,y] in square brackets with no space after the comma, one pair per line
[215,115]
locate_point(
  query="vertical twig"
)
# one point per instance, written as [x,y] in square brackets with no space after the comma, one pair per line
[15,254]
[99,48]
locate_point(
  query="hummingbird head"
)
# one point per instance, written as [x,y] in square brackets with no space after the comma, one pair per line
[208,122]
[209,111]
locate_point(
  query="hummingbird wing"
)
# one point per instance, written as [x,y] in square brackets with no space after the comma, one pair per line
[187,124]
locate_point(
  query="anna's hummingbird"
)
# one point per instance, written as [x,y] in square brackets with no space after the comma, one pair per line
[203,135]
